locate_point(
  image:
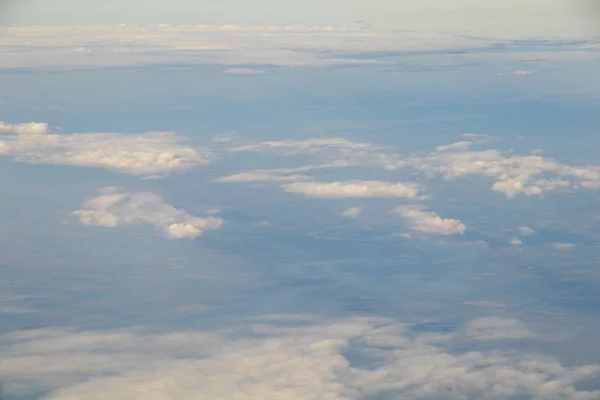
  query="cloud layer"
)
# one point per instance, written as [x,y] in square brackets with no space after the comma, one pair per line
[114,208]
[246,50]
[150,154]
[267,361]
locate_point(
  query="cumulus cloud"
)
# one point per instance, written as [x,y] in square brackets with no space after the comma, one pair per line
[150,154]
[497,328]
[114,207]
[515,241]
[418,219]
[353,189]
[35,128]
[352,212]
[530,175]
[525,231]
[270,361]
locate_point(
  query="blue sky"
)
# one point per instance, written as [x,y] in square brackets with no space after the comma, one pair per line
[340,211]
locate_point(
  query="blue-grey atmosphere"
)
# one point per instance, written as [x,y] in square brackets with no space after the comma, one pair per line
[277,200]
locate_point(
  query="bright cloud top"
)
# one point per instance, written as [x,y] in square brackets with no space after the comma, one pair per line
[420,220]
[529,175]
[353,189]
[150,154]
[35,128]
[282,363]
[114,208]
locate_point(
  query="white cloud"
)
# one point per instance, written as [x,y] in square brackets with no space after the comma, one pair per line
[526,231]
[462,145]
[353,189]
[148,154]
[272,362]
[530,175]
[428,221]
[29,128]
[244,71]
[563,246]
[114,208]
[515,241]
[352,212]
[239,50]
[497,328]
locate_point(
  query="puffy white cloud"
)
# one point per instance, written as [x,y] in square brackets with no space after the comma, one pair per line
[114,208]
[269,361]
[530,175]
[515,241]
[34,128]
[418,219]
[352,212]
[525,231]
[353,189]
[497,328]
[150,154]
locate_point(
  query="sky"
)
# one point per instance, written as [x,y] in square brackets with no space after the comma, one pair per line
[299,200]
[506,18]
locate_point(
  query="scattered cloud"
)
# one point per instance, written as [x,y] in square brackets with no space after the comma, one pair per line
[114,207]
[270,361]
[529,175]
[29,128]
[262,177]
[353,189]
[497,328]
[352,212]
[150,154]
[563,246]
[515,241]
[418,219]
[526,231]
[244,71]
